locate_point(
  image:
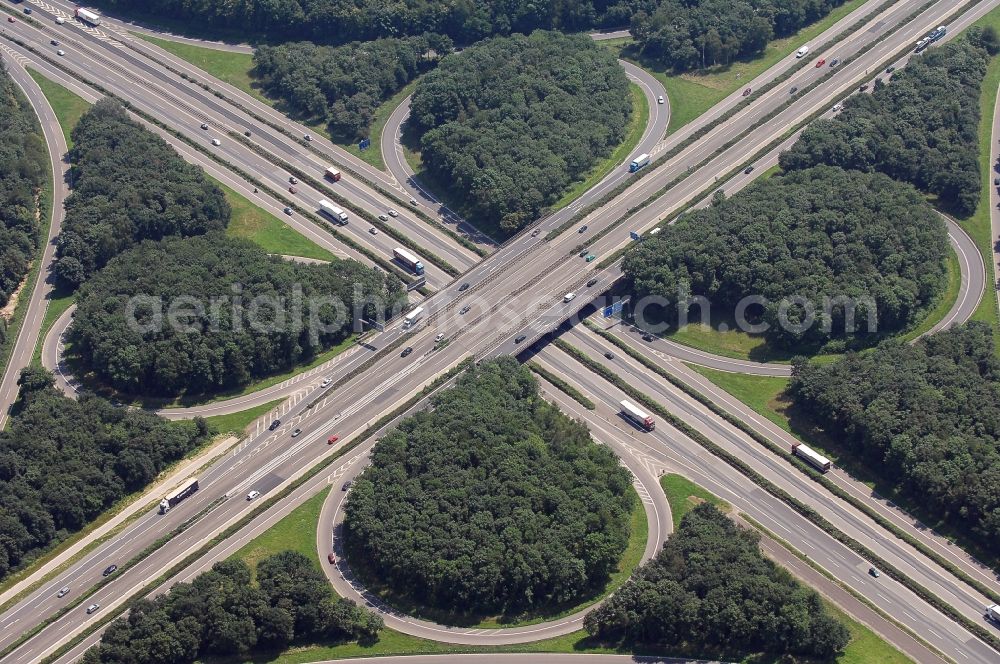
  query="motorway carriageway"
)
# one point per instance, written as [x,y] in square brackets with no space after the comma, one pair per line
[177,104]
[672,447]
[401,380]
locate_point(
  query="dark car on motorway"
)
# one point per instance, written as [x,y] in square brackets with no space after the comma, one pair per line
[464,310]
[331,558]
[520,338]
[648,337]
[748,170]
[591,282]
[793,90]
[609,355]
[347,485]
[464,287]
[746,92]
[863,88]
[583,229]
[406,351]
[110,569]
[274,425]
[583,254]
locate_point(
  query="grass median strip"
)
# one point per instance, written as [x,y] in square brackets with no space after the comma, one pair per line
[375,258]
[701,132]
[383,422]
[804,510]
[814,475]
[388,193]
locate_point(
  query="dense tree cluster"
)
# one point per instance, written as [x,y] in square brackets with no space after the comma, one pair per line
[23,167]
[813,234]
[494,502]
[63,462]
[684,35]
[922,128]
[342,86]
[710,587]
[339,21]
[926,415]
[209,313]
[222,613]
[509,123]
[128,185]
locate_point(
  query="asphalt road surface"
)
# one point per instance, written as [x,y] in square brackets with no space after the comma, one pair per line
[40,291]
[515,289]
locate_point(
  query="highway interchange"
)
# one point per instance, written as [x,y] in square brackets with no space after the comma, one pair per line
[514,291]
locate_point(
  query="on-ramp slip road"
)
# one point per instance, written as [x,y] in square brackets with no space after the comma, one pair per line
[330,522]
[39,292]
[656,128]
[519,286]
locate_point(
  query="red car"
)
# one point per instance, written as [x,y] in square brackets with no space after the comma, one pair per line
[332,439]
[292,190]
[746,92]
[331,558]
[820,63]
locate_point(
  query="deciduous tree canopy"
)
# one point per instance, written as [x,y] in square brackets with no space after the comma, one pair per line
[128,185]
[63,462]
[818,233]
[710,587]
[247,314]
[222,613]
[23,166]
[492,502]
[922,128]
[343,85]
[689,35]
[339,21]
[511,122]
[926,417]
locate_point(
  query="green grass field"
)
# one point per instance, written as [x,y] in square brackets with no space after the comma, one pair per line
[67,106]
[264,229]
[683,495]
[235,423]
[227,66]
[235,68]
[691,94]
[295,532]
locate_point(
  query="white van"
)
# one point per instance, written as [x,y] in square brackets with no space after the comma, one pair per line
[568,297]
[802,51]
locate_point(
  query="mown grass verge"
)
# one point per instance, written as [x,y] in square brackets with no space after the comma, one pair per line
[267,231]
[265,504]
[693,93]
[777,416]
[804,510]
